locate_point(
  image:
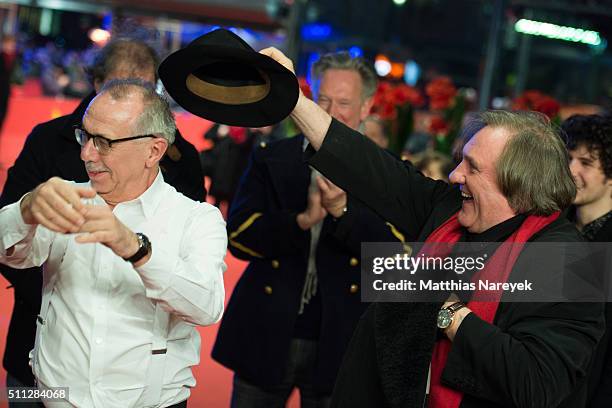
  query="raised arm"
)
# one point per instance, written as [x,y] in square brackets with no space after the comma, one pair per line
[393,189]
[310,118]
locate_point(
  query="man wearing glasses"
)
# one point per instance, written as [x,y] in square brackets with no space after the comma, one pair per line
[51,150]
[131,265]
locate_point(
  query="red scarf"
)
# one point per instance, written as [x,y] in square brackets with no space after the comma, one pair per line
[502,260]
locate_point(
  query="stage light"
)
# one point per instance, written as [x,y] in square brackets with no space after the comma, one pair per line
[558,32]
[397,70]
[355,52]
[382,65]
[399,2]
[412,72]
[99,37]
[316,31]
[46,18]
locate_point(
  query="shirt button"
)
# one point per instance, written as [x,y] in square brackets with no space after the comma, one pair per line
[98,340]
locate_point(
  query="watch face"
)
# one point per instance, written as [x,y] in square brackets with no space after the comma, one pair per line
[445,318]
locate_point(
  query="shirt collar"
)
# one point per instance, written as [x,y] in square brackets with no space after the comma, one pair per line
[147,201]
[499,232]
[150,199]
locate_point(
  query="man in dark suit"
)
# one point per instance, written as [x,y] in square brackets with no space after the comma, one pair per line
[510,186]
[52,150]
[295,307]
[589,141]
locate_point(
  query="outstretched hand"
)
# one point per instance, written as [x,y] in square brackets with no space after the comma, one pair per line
[279,57]
[58,206]
[102,226]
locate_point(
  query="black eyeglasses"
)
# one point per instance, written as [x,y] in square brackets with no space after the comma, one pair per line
[101,143]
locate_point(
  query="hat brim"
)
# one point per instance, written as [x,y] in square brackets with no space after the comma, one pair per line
[273,108]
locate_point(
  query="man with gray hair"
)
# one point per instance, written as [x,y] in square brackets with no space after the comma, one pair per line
[294,309]
[511,186]
[52,150]
[130,264]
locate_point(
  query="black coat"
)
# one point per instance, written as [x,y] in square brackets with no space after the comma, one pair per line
[533,355]
[258,325]
[600,376]
[51,150]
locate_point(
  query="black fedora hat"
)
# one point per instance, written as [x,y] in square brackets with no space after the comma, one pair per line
[219,77]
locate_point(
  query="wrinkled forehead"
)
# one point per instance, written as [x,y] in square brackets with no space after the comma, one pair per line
[337,79]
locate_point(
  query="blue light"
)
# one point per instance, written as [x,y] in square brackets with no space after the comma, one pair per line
[355,52]
[412,72]
[107,21]
[312,58]
[316,31]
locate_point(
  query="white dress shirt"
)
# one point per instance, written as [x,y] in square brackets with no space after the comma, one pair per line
[96,336]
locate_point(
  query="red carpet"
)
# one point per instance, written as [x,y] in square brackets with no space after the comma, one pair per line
[26,109]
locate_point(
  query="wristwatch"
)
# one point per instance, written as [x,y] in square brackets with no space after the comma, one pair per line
[144,246]
[445,316]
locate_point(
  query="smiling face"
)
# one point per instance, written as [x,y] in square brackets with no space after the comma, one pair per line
[126,170]
[340,94]
[484,205]
[593,187]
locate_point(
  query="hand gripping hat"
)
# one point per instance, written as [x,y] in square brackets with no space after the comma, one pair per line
[219,77]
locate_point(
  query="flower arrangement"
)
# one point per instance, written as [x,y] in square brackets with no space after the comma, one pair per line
[447,105]
[534,100]
[395,104]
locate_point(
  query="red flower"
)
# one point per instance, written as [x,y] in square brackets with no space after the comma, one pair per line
[521,103]
[305,87]
[537,101]
[438,125]
[441,92]
[549,107]
[237,134]
[388,97]
[403,93]
[386,111]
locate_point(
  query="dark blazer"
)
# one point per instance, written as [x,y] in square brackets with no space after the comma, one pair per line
[533,355]
[600,376]
[258,325]
[52,150]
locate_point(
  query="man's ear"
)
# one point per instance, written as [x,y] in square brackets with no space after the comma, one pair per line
[156,152]
[366,107]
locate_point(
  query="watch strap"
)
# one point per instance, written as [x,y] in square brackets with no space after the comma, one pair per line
[455,306]
[143,248]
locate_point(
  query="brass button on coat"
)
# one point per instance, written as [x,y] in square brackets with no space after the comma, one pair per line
[268,290]
[354,288]
[275,264]
[354,262]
